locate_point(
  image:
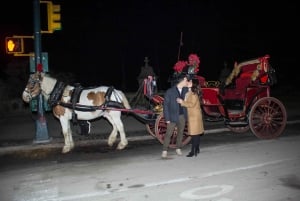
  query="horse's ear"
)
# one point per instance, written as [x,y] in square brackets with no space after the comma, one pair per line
[42,74]
[39,74]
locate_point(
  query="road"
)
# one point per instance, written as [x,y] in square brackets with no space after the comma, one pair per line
[230,167]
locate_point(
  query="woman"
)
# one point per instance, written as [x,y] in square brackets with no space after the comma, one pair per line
[194,119]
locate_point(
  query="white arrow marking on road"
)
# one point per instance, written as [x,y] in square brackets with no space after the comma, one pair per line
[190,194]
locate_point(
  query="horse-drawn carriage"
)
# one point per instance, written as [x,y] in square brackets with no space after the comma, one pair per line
[242,102]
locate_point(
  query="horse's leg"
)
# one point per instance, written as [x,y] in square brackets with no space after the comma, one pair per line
[113,135]
[67,132]
[116,117]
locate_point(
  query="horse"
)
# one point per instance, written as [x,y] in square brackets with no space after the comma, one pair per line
[77,103]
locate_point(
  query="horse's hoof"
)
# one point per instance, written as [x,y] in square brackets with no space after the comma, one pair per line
[67,149]
[110,143]
[122,145]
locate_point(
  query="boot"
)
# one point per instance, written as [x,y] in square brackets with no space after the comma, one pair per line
[197,151]
[197,145]
[192,152]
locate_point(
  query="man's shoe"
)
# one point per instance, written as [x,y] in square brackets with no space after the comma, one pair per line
[164,154]
[178,151]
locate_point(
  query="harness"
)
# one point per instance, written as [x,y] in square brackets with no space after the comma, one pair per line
[57,93]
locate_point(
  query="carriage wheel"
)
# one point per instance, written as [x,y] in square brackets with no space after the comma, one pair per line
[161,128]
[242,129]
[151,129]
[267,118]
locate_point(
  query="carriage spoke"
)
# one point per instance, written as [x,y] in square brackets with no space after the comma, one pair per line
[161,129]
[267,118]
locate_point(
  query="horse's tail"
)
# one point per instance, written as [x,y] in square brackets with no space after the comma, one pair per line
[124,100]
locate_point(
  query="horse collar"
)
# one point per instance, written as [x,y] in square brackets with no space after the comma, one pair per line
[56,93]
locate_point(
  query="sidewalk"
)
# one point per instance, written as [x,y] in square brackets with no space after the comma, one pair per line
[18,132]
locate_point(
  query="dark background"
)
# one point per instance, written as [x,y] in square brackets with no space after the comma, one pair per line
[105,42]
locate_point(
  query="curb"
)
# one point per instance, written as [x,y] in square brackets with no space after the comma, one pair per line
[57,144]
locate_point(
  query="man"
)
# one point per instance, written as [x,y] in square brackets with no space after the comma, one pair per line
[146,71]
[175,114]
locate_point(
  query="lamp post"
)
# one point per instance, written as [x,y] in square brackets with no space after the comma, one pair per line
[41,123]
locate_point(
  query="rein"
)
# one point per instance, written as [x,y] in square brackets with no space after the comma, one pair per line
[111,105]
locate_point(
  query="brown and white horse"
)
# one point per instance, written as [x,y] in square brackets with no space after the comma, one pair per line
[82,103]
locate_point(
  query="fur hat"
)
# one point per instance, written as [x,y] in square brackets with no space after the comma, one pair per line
[146,60]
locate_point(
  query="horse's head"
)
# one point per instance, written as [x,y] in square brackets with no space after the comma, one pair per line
[33,87]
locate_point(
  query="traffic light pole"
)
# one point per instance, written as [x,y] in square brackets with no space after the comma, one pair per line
[41,123]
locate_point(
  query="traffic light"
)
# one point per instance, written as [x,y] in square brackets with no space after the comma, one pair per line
[53,12]
[14,45]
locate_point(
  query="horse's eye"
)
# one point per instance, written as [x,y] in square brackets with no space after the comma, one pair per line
[32,83]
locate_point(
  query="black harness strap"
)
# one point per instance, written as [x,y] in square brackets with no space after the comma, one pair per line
[73,104]
[74,99]
[109,102]
[108,93]
[56,93]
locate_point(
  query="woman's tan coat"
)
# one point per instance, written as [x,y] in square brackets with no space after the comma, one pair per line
[195,121]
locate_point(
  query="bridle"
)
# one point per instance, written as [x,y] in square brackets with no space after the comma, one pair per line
[33,87]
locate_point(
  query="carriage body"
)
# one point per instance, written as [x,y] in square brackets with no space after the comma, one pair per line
[243,101]
[234,105]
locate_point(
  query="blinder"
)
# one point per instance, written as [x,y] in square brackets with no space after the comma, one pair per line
[33,85]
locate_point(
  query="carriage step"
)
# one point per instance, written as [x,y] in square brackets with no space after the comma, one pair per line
[237,124]
[230,111]
[214,119]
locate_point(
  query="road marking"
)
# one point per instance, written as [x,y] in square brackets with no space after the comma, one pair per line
[293,122]
[173,181]
[244,168]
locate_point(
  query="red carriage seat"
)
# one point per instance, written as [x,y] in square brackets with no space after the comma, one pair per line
[245,74]
[253,71]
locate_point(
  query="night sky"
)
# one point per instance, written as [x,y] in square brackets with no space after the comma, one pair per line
[105,42]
